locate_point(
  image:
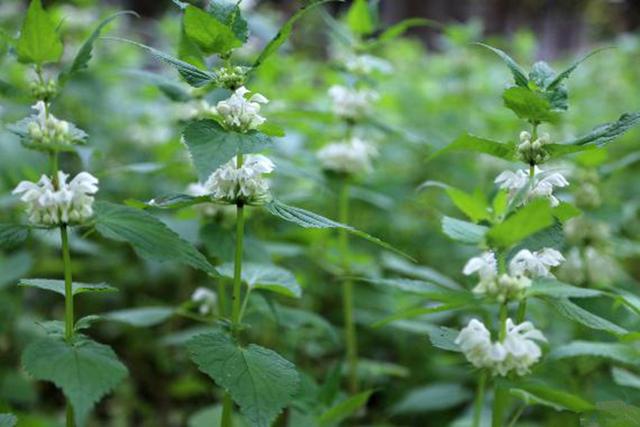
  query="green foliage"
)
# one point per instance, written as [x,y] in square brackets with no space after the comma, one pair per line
[574,312]
[84,369]
[39,41]
[57,286]
[468,142]
[12,235]
[463,231]
[529,105]
[344,409]
[210,33]
[8,420]
[540,394]
[359,18]
[605,133]
[259,380]
[432,397]
[150,237]
[534,217]
[555,289]
[622,353]
[265,276]
[142,317]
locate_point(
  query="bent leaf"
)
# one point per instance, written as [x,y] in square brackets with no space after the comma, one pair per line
[57,286]
[538,394]
[605,133]
[519,75]
[344,409]
[469,142]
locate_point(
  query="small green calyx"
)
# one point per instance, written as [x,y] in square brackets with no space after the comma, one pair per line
[533,152]
[44,90]
[232,77]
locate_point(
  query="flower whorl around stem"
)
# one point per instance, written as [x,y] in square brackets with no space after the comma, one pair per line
[42,130]
[349,157]
[240,113]
[245,184]
[57,202]
[542,185]
[533,152]
[351,103]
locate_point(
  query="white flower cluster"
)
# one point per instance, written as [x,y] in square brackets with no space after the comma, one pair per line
[58,202]
[231,184]
[44,129]
[542,184]
[517,352]
[351,157]
[206,300]
[240,113]
[533,152]
[351,103]
[524,266]
[367,64]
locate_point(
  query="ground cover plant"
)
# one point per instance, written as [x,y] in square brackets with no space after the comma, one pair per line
[237,216]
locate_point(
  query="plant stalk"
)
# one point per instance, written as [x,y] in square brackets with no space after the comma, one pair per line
[479,400]
[347,292]
[500,403]
[68,304]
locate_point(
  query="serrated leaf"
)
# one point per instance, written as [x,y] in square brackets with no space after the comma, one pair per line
[472,143]
[191,74]
[576,313]
[622,353]
[463,231]
[140,317]
[265,276]
[537,394]
[84,369]
[39,41]
[519,75]
[12,234]
[208,32]
[625,378]
[149,236]
[531,219]
[308,219]
[529,105]
[259,380]
[605,133]
[211,146]
[432,397]
[229,13]
[359,18]
[8,420]
[82,58]
[285,31]
[57,286]
[552,288]
[344,409]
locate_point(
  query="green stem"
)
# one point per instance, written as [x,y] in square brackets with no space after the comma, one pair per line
[244,304]
[504,312]
[479,400]
[347,293]
[227,411]
[516,416]
[222,298]
[500,402]
[68,304]
[522,311]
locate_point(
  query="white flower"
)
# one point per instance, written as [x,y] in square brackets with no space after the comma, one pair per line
[241,113]
[535,264]
[50,203]
[367,64]
[246,183]
[352,156]
[206,298]
[517,352]
[43,128]
[351,103]
[542,185]
[485,265]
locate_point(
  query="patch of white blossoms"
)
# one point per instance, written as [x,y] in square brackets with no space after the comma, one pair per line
[57,202]
[541,185]
[523,267]
[350,157]
[206,300]
[42,129]
[367,64]
[246,184]
[241,113]
[351,103]
[516,353]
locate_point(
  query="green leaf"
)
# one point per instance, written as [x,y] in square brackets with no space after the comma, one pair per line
[344,409]
[39,41]
[14,266]
[84,369]
[307,219]
[82,58]
[177,201]
[285,31]
[150,237]
[529,105]
[532,218]
[538,394]
[259,380]
[229,13]
[427,289]
[189,52]
[463,231]
[359,18]
[413,312]
[210,34]
[622,353]
[57,286]
[12,235]
[172,89]
[617,414]
[558,79]
[519,75]
[433,397]
[140,317]
[605,133]
[86,322]
[468,142]
[473,205]
[398,29]
[211,146]
[265,276]
[555,289]
[576,313]
[191,74]
[625,378]
[444,338]
[8,420]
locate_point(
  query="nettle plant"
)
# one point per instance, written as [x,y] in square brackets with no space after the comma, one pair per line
[225,142]
[519,233]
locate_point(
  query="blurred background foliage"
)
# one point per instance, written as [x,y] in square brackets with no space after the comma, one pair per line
[441,86]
